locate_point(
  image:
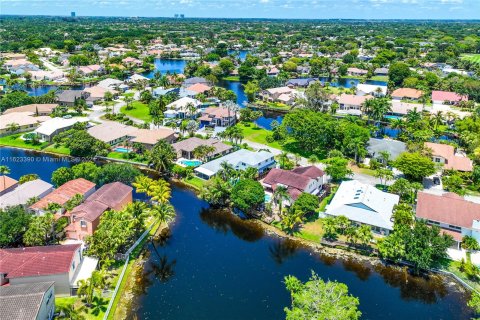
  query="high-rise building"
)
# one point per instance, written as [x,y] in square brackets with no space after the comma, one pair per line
[72,14]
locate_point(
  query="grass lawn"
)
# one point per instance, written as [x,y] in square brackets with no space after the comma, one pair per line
[472,57]
[60,149]
[140,111]
[122,156]
[379,78]
[195,182]
[89,314]
[454,267]
[312,231]
[257,134]
[14,140]
[231,78]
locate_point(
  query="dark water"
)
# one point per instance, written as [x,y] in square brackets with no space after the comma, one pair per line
[217,266]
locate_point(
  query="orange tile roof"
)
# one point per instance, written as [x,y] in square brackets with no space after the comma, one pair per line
[64,193]
[448,152]
[407,93]
[6,183]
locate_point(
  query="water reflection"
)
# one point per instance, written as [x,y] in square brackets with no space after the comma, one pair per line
[281,250]
[362,270]
[223,221]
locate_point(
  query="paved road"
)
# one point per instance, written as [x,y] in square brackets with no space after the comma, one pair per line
[50,66]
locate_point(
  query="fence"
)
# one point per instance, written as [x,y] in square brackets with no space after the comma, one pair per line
[124,269]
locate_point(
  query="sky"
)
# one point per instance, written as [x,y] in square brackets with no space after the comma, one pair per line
[294,9]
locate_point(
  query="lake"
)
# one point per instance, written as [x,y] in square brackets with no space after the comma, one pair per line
[217,266]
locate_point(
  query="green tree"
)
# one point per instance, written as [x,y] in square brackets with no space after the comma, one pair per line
[415,166]
[398,72]
[337,168]
[121,172]
[251,89]
[470,243]
[306,203]
[247,195]
[28,177]
[40,231]
[162,157]
[62,175]
[279,196]
[86,170]
[12,225]
[317,299]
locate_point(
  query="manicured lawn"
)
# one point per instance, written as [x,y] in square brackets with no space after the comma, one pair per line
[60,149]
[231,78]
[312,231]
[472,57]
[89,314]
[257,134]
[140,111]
[379,78]
[195,182]
[122,156]
[15,141]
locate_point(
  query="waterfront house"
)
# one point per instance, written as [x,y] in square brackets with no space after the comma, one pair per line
[24,192]
[302,179]
[371,89]
[137,78]
[446,97]
[240,160]
[32,301]
[85,218]
[455,215]
[149,137]
[217,116]
[58,263]
[300,82]
[64,193]
[356,72]
[96,93]
[50,128]
[132,62]
[112,132]
[110,84]
[285,95]
[20,121]
[393,147]
[194,80]
[90,70]
[46,75]
[184,148]
[364,204]
[7,184]
[199,88]
[180,108]
[67,98]
[38,109]
[445,154]
[351,104]
[381,72]
[407,94]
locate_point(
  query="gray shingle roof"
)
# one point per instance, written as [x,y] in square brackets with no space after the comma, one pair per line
[22,301]
[394,147]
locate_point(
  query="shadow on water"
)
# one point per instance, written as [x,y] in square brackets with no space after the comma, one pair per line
[282,250]
[224,222]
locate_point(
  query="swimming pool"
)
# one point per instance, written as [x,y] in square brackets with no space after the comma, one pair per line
[392,117]
[268,197]
[121,150]
[190,163]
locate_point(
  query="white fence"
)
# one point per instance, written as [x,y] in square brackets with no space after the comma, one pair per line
[122,274]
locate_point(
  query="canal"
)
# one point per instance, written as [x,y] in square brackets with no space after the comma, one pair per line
[217,266]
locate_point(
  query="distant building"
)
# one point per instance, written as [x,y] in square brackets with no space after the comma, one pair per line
[72,14]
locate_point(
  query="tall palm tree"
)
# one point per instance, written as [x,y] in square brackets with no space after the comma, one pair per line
[437,119]
[226,171]
[164,212]
[279,195]
[161,192]
[413,116]
[283,159]
[380,108]
[4,170]
[144,184]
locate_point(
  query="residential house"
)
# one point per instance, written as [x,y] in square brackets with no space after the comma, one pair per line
[455,215]
[446,97]
[199,88]
[67,98]
[14,122]
[297,181]
[217,116]
[393,147]
[110,84]
[364,204]
[132,62]
[64,193]
[55,263]
[371,89]
[184,148]
[407,94]
[194,80]
[93,69]
[112,132]
[24,192]
[96,93]
[137,78]
[180,108]
[381,72]
[149,137]
[85,218]
[300,82]
[351,104]
[19,66]
[356,72]
[284,95]
[50,128]
[46,75]
[38,109]
[240,160]
[32,301]
[7,184]
[445,154]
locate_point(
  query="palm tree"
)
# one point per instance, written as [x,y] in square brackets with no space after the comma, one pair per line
[4,170]
[413,116]
[380,108]
[437,119]
[161,192]
[191,108]
[12,127]
[398,123]
[279,195]
[367,107]
[88,287]
[283,159]
[250,173]
[144,184]
[164,212]
[70,312]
